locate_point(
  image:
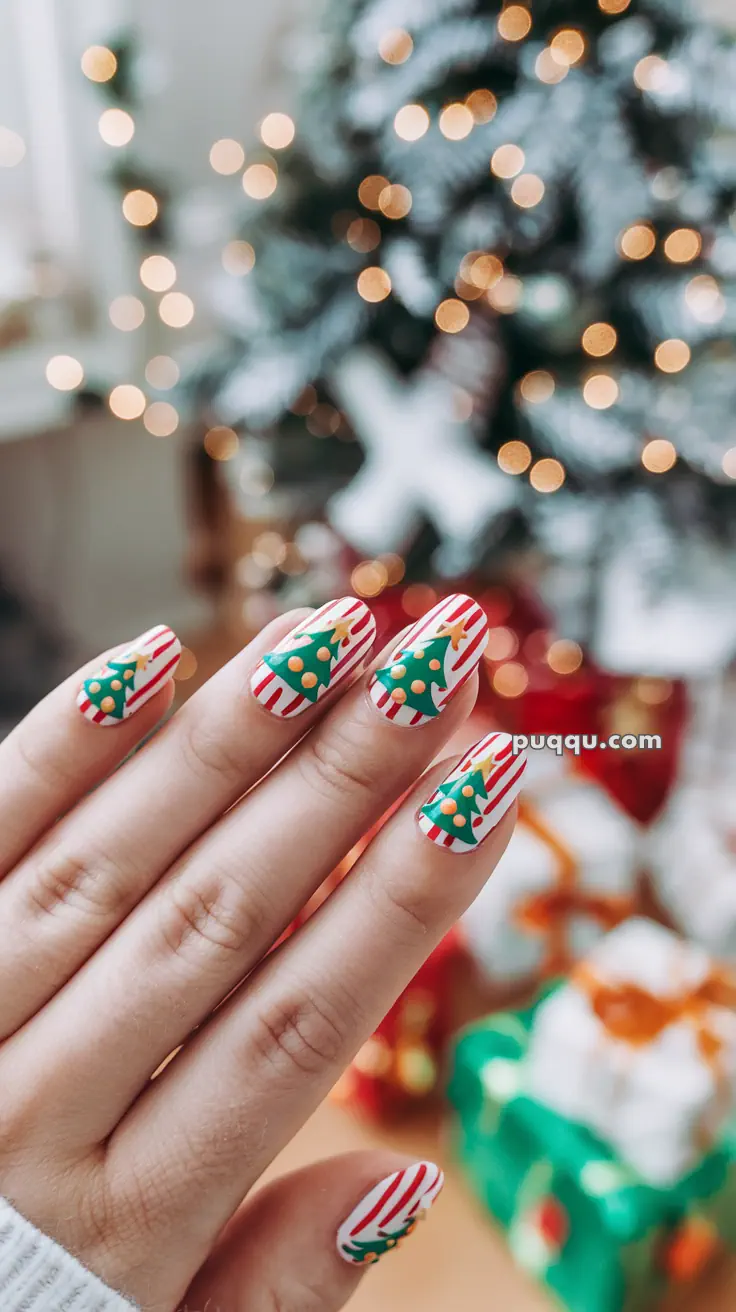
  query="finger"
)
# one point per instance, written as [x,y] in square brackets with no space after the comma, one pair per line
[53,757]
[306,1240]
[67,896]
[279,1044]
[227,903]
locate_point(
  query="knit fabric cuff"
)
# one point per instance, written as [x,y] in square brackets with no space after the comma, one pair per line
[36,1275]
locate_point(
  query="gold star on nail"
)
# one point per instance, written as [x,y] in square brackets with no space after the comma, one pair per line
[141,660]
[342,631]
[485,765]
[455,631]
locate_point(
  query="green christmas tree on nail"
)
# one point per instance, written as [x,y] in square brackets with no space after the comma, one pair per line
[410,679]
[369,1251]
[457,801]
[308,667]
[109,692]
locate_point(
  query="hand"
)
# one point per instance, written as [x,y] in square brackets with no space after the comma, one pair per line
[137,913]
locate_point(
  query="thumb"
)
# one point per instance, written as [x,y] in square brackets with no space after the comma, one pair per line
[301,1244]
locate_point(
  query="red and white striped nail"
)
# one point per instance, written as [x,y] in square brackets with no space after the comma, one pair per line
[118,689]
[389,1213]
[475,796]
[316,657]
[432,662]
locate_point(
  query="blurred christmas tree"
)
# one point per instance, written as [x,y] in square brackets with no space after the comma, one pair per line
[501,253]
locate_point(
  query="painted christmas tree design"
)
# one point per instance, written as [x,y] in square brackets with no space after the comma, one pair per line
[457,800]
[410,679]
[109,692]
[307,668]
[369,1250]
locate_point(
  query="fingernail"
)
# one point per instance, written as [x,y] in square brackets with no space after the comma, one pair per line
[432,662]
[314,658]
[389,1213]
[118,689]
[475,796]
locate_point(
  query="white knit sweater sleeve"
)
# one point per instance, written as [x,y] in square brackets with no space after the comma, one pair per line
[36,1275]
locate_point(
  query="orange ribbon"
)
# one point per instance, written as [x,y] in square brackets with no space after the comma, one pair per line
[549,911]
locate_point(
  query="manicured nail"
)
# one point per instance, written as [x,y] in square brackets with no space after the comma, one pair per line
[315,657]
[432,662]
[475,795]
[119,689]
[389,1213]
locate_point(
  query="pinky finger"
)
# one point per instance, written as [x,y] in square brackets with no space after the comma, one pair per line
[303,1242]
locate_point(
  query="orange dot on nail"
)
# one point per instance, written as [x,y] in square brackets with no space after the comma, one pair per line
[94,687]
[434,665]
[398,695]
[323,654]
[309,680]
[116,685]
[128,674]
[107,704]
[468,790]
[448,807]
[398,671]
[295,663]
[458,820]
[418,654]
[418,686]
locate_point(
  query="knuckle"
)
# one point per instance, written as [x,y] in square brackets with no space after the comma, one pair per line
[406,906]
[211,748]
[296,1296]
[342,763]
[213,915]
[306,1035]
[50,771]
[87,883]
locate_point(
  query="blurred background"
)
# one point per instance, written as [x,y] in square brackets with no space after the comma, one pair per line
[404,297]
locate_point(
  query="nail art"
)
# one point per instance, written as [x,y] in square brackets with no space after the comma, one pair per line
[315,657]
[389,1213]
[432,663]
[475,796]
[117,690]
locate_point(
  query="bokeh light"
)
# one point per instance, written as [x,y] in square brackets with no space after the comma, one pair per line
[161,419]
[162,373]
[502,644]
[238,258]
[510,679]
[705,299]
[394,201]
[99,64]
[116,127]
[505,295]
[417,599]
[64,373]
[599,339]
[527,190]
[221,442]
[567,46]
[600,391]
[395,46]
[672,355]
[369,578]
[277,131]
[127,401]
[728,463]
[683,245]
[613,6]
[651,73]
[411,122]
[507,161]
[259,181]
[514,22]
[564,656]
[127,313]
[514,457]
[456,121]
[176,310]
[374,284]
[481,270]
[12,148]
[227,156]
[363,235]
[158,273]
[537,386]
[547,475]
[140,208]
[548,69]
[482,105]
[370,189]
[187,667]
[451,316]
[658,456]
[637,241]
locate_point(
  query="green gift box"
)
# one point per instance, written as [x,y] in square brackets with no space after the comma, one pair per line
[578,1218]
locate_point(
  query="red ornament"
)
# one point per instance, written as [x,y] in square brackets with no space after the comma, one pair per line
[552,1222]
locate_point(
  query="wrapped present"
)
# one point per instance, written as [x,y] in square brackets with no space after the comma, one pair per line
[692,859]
[402,1064]
[577,1217]
[640,1046]
[568,876]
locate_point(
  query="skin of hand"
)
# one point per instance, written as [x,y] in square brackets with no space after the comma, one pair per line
[140,898]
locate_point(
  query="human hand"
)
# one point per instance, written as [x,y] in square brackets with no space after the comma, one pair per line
[141,922]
